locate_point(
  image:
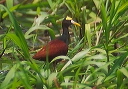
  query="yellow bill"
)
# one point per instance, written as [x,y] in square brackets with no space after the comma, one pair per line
[75,23]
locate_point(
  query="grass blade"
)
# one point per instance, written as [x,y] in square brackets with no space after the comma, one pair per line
[19,33]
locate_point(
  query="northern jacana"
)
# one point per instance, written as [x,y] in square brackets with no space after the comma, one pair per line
[58,46]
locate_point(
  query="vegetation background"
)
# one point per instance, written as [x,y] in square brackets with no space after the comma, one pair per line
[98,51]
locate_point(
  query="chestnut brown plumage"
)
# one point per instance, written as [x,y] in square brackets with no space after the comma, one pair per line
[58,46]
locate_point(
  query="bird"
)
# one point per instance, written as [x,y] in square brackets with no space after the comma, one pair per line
[58,46]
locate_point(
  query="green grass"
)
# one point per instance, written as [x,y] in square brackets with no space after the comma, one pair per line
[97,56]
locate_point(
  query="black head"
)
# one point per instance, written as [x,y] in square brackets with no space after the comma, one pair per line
[68,21]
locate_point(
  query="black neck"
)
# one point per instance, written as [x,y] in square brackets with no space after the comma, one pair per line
[65,35]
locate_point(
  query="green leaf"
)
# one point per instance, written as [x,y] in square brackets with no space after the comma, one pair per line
[118,63]
[80,55]
[11,9]
[123,7]
[88,34]
[9,77]
[120,78]
[52,77]
[14,38]
[51,4]
[104,16]
[60,57]
[124,71]
[9,3]
[19,33]
[42,27]
[77,57]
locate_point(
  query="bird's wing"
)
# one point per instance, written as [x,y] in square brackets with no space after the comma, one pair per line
[52,49]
